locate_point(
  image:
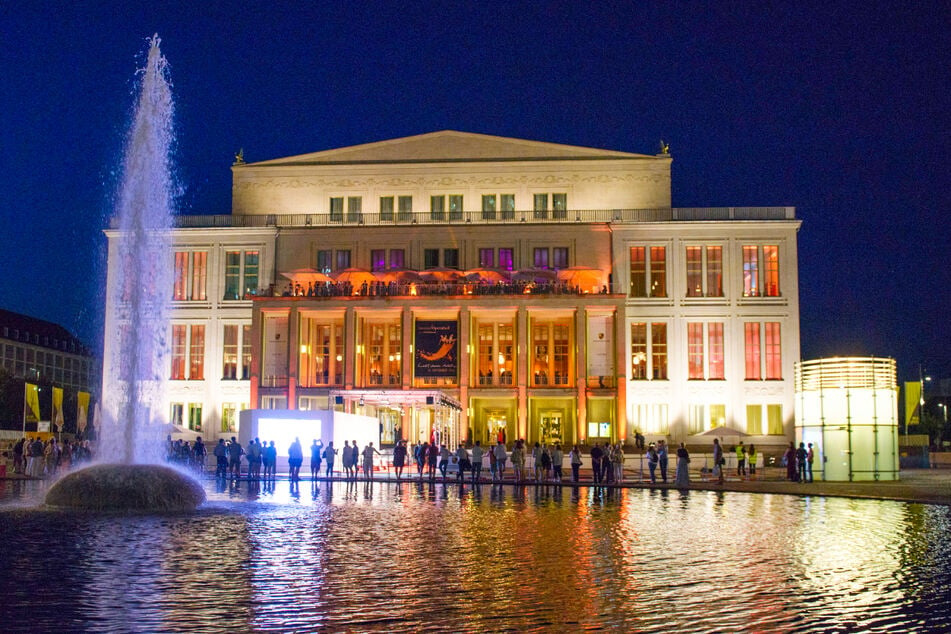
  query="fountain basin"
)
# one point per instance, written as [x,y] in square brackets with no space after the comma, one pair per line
[126,487]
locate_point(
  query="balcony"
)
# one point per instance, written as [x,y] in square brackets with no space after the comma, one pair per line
[614,216]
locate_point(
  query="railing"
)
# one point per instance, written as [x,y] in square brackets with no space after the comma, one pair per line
[616,216]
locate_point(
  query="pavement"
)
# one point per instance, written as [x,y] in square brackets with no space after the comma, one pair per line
[927,486]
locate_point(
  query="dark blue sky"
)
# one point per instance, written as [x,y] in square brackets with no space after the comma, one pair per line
[839,109]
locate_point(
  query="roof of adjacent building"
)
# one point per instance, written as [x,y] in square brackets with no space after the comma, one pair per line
[26,326]
[452,146]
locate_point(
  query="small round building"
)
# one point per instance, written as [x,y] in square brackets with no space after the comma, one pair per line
[847,407]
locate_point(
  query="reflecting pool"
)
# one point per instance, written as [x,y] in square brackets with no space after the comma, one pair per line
[412,556]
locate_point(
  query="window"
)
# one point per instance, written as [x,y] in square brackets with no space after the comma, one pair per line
[754,420]
[455,207]
[321,351]
[437,207]
[336,209]
[774,420]
[378,259]
[506,259]
[772,348]
[196,355]
[325,259]
[540,205]
[180,287]
[559,205]
[194,416]
[559,257]
[404,207]
[717,415]
[550,352]
[177,414]
[229,417]
[246,352]
[383,340]
[702,259]
[397,259]
[648,271]
[450,258]
[649,351]
[507,205]
[341,259]
[229,352]
[386,208]
[486,258]
[760,271]
[178,352]
[241,274]
[651,418]
[710,349]
[495,361]
[354,209]
[489,206]
[540,258]
[430,258]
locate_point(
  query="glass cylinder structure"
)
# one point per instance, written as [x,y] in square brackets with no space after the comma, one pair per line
[847,407]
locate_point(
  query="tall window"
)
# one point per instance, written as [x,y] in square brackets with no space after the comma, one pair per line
[559,205]
[386,208]
[437,207]
[194,416]
[241,274]
[540,258]
[325,261]
[179,334]
[489,202]
[694,351]
[341,259]
[507,205]
[378,259]
[648,271]
[700,348]
[246,352]
[229,417]
[559,257]
[761,271]
[383,341]
[704,271]
[455,207]
[774,420]
[196,353]
[354,209]
[495,361]
[404,207]
[180,288]
[715,370]
[321,351]
[397,258]
[550,352]
[486,258]
[752,354]
[177,414]
[754,419]
[506,259]
[336,209]
[450,258]
[430,258]
[229,352]
[774,355]
[540,206]
[648,351]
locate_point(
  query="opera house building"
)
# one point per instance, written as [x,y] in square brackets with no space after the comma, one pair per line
[465,287]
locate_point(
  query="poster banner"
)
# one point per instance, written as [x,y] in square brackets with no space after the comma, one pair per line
[437,349]
[600,345]
[912,402]
[31,408]
[57,418]
[82,410]
[275,349]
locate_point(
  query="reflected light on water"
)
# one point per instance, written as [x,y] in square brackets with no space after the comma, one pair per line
[387,557]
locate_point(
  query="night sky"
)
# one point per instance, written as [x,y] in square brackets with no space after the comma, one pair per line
[839,109]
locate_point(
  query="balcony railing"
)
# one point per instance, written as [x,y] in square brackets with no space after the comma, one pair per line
[615,216]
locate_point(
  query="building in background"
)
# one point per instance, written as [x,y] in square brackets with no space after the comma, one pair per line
[49,379]
[468,287]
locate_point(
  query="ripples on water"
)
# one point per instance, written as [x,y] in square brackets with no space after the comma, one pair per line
[387,557]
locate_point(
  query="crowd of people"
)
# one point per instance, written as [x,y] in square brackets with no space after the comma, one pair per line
[38,458]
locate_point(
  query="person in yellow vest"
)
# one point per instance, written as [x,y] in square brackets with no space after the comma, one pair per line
[741,460]
[751,459]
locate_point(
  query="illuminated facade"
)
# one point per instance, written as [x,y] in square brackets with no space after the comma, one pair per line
[467,287]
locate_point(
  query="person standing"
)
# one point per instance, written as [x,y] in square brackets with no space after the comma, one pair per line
[419,454]
[444,456]
[574,458]
[329,454]
[741,460]
[368,452]
[500,457]
[221,459]
[546,463]
[345,457]
[477,462]
[790,459]
[663,459]
[518,461]
[235,451]
[254,459]
[432,457]
[557,457]
[597,454]
[682,478]
[316,452]
[199,452]
[462,460]
[399,458]
[810,457]
[652,462]
[801,456]
[269,456]
[751,459]
[718,460]
[295,458]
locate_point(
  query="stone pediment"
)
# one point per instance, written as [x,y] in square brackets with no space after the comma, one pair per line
[449,146]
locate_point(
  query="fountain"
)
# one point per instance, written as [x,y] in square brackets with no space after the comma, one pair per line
[133,388]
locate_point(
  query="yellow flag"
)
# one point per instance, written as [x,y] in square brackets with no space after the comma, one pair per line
[32,403]
[912,402]
[58,408]
[82,410]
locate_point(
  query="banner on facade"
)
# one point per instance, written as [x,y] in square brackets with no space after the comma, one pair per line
[31,403]
[57,418]
[912,402]
[82,410]
[437,349]
[275,348]
[600,345]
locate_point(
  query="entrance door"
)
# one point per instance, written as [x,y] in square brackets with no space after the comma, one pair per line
[495,427]
[550,427]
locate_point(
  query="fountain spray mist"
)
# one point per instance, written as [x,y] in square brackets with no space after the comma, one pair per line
[137,345]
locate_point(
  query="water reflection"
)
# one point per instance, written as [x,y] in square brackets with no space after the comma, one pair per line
[378,556]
